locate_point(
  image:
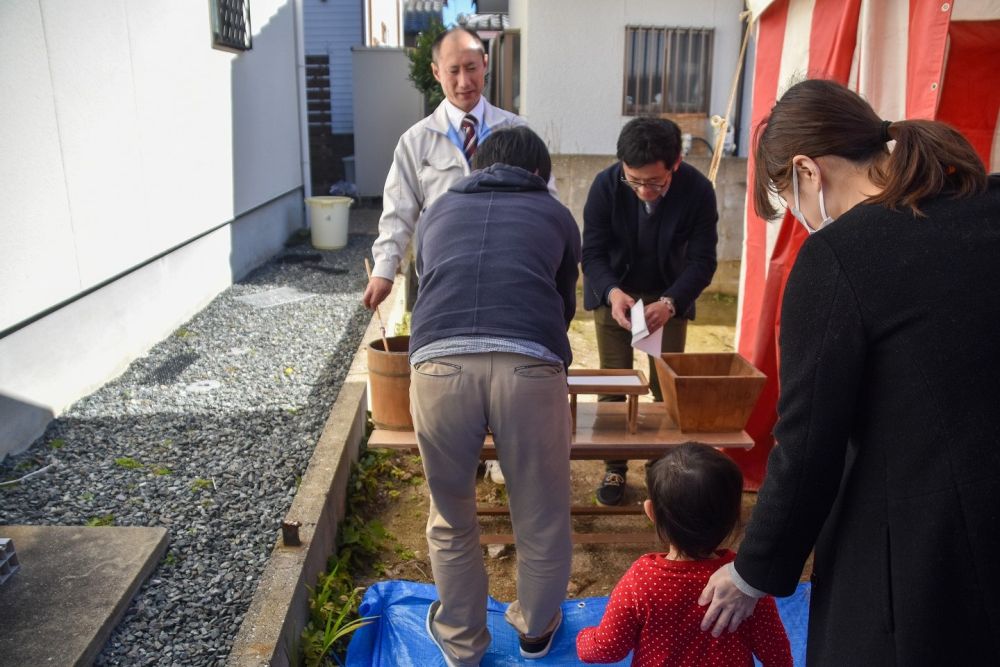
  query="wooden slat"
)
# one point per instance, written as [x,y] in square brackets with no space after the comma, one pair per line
[601,434]
[648,537]
[575,510]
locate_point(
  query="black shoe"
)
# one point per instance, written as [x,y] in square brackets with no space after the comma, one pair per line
[538,647]
[612,489]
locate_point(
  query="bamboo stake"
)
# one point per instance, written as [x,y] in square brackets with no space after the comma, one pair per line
[381,325]
[723,121]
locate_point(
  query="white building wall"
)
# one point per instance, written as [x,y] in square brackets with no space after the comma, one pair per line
[572,62]
[333,27]
[128,136]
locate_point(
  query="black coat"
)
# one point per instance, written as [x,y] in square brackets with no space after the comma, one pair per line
[888,454]
[686,218]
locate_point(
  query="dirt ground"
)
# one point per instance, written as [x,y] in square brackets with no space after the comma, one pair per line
[596,568]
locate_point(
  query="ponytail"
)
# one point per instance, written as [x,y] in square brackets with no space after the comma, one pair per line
[930,158]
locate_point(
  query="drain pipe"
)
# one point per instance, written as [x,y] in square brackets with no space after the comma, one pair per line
[300,75]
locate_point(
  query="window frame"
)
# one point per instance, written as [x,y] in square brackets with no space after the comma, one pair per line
[223,25]
[667,41]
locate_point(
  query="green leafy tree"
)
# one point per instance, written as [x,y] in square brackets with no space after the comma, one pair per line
[420,66]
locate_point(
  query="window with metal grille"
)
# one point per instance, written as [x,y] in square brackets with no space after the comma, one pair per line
[231,24]
[667,70]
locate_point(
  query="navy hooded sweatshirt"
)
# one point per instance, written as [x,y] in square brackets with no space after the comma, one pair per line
[497,255]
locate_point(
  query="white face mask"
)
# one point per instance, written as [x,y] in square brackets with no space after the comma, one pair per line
[797,212]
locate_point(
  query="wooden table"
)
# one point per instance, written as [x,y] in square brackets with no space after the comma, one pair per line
[601,434]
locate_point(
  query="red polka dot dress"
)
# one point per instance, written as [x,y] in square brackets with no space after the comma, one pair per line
[654,611]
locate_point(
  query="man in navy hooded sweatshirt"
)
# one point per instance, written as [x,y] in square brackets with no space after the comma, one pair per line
[497,260]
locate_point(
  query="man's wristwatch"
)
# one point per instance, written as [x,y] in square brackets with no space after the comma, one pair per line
[670,305]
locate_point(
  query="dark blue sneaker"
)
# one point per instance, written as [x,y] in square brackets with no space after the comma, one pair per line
[538,647]
[612,489]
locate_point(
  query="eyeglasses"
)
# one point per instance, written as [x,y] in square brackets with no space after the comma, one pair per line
[649,185]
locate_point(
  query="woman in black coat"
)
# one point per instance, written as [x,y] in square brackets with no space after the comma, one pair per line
[888,456]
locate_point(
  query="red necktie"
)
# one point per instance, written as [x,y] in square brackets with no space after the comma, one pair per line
[469,138]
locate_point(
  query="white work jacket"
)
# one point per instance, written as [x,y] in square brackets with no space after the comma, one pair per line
[425,164]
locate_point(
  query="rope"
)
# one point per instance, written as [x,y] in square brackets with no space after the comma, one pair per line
[723,123]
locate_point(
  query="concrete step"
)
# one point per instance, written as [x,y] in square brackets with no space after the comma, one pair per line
[71,590]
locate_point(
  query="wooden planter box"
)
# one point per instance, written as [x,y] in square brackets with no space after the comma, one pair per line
[710,391]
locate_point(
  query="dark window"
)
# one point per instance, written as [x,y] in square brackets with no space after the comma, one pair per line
[231,24]
[667,70]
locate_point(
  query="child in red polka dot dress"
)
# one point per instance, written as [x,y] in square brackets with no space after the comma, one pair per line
[694,502]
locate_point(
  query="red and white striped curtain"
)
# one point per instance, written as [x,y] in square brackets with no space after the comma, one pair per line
[910,59]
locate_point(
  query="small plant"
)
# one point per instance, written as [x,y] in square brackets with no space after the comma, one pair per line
[106,520]
[333,604]
[722,297]
[57,443]
[405,552]
[128,463]
[183,332]
[330,616]
[403,326]
[87,496]
[420,65]
[170,559]
[161,470]
[200,484]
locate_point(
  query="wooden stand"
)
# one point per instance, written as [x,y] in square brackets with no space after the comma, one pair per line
[602,433]
[609,381]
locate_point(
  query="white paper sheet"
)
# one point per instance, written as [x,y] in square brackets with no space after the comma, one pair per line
[650,343]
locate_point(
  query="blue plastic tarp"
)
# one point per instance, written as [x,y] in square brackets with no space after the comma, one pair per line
[397,638]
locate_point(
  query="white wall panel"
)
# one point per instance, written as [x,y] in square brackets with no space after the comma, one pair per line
[128,135]
[37,247]
[266,155]
[92,77]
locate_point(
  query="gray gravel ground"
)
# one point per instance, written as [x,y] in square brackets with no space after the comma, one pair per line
[207,435]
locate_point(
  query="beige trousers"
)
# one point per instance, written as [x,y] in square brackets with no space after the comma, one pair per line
[523,402]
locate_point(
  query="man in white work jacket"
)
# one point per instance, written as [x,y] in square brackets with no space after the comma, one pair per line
[431,156]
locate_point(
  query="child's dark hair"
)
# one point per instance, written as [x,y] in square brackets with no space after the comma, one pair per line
[696,494]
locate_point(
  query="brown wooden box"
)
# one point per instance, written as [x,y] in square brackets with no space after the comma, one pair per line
[708,391]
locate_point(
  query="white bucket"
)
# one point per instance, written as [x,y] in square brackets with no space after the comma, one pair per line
[328,221]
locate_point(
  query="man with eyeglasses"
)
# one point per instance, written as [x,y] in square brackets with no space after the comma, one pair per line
[649,232]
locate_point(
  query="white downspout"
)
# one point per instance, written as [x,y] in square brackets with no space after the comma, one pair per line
[300,75]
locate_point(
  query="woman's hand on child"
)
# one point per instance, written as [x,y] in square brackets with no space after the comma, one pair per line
[727,604]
